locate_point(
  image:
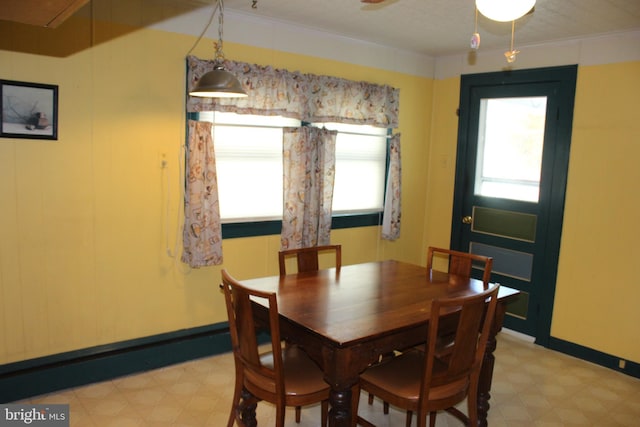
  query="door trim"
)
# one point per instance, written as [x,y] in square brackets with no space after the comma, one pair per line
[566,76]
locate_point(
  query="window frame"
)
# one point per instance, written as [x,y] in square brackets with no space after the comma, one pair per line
[274,227]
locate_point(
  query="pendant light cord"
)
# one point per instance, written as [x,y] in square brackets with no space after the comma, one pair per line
[219,57]
[475,30]
[513,28]
[217,4]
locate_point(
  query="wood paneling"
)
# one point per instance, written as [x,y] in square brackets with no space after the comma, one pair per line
[49,13]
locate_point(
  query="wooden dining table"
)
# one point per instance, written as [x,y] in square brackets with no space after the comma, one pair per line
[346,318]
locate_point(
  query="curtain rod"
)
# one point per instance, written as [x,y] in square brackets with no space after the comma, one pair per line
[282,127]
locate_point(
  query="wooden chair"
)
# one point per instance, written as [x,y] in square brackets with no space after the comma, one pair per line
[444,382]
[282,376]
[461,262]
[307,258]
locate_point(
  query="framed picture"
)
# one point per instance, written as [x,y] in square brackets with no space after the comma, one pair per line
[29,110]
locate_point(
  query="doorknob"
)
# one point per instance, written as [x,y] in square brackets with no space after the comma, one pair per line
[467,219]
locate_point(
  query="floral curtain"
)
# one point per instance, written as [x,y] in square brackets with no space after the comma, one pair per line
[391,214]
[309,175]
[307,97]
[309,171]
[202,233]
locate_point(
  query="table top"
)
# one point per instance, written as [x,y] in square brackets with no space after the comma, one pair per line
[361,301]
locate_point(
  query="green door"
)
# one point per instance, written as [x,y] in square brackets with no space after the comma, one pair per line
[514,135]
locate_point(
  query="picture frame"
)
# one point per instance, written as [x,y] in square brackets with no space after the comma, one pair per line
[29,110]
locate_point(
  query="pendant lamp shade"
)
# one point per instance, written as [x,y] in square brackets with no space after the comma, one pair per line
[504,10]
[218,83]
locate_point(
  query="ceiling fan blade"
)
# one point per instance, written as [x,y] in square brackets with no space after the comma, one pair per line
[371,1]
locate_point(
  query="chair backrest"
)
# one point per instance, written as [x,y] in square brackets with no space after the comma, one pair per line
[257,377]
[307,258]
[464,358]
[461,262]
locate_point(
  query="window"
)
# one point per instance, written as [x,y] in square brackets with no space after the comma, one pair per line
[249,165]
[361,156]
[510,141]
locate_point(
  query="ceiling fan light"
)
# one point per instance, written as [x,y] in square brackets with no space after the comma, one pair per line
[504,10]
[218,83]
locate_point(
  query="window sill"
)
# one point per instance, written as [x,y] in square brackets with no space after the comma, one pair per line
[266,228]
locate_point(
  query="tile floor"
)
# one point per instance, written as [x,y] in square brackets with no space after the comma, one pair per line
[532,386]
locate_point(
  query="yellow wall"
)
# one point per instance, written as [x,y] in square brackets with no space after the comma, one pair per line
[442,163]
[86,220]
[597,287]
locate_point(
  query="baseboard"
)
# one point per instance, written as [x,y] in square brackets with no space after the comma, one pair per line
[34,377]
[21,380]
[519,335]
[595,356]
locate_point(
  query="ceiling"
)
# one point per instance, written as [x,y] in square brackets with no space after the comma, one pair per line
[444,27]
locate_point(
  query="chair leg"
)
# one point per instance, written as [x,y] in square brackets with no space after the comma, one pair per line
[355,403]
[472,399]
[432,419]
[232,417]
[298,410]
[385,405]
[409,416]
[324,412]
[237,393]
[280,413]
[364,423]
[234,408]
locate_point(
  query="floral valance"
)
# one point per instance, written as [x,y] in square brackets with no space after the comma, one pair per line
[306,97]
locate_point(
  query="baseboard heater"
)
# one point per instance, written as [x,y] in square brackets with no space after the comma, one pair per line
[24,379]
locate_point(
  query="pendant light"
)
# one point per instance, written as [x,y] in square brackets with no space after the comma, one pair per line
[218,83]
[504,10]
[475,38]
[511,54]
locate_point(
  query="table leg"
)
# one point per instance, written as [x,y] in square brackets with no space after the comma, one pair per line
[486,372]
[340,414]
[342,368]
[247,409]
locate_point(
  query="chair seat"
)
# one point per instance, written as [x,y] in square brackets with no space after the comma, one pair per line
[302,377]
[400,376]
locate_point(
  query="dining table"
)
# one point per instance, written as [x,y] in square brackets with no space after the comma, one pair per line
[347,318]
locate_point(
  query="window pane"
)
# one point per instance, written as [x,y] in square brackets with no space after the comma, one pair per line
[510,141]
[249,165]
[361,155]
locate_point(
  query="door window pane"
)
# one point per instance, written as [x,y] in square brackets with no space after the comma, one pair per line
[504,223]
[506,262]
[510,139]
[520,306]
